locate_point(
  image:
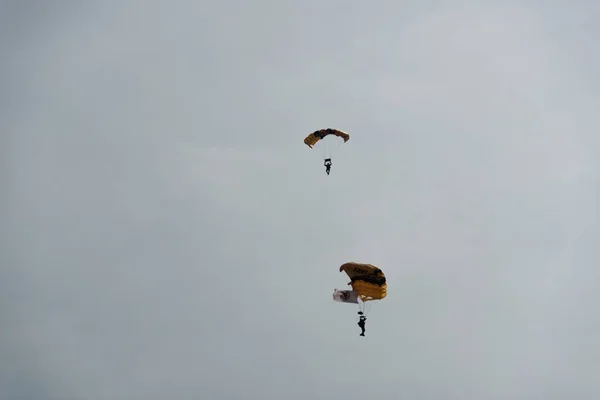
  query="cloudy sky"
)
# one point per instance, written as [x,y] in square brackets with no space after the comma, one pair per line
[167,234]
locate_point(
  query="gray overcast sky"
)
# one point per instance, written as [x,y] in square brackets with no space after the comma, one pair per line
[168,235]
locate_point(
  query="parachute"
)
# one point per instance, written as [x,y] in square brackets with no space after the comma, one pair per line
[314,137]
[368,283]
[328,145]
[366,279]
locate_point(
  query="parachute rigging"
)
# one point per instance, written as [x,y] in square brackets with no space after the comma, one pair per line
[368,284]
[318,136]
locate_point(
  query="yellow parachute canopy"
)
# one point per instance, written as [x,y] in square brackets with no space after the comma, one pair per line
[367,280]
[314,137]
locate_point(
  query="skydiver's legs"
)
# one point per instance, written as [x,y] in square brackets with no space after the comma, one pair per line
[361,323]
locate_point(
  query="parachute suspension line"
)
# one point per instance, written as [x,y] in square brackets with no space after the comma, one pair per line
[364,308]
[327,147]
[367,308]
[338,143]
[329,144]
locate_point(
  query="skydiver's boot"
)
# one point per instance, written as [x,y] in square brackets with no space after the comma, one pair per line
[362,334]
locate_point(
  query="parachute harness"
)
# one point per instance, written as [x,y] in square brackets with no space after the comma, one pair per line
[327,146]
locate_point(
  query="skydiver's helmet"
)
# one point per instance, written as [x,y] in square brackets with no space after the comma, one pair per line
[360,313]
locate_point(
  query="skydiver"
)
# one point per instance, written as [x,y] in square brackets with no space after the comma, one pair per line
[328,165]
[361,323]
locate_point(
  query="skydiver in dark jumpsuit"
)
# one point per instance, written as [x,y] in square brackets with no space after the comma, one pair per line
[328,165]
[361,323]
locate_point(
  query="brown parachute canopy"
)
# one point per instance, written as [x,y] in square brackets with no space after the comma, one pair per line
[366,279]
[314,137]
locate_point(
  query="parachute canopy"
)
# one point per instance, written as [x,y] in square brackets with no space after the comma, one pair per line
[314,137]
[367,280]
